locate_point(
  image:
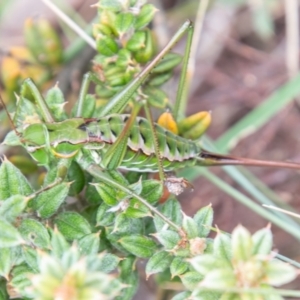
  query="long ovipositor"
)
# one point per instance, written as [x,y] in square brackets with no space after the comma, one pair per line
[97,135]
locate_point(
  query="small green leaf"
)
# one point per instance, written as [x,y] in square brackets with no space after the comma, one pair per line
[21,278]
[104,262]
[157,263]
[139,245]
[13,182]
[191,279]
[129,276]
[168,63]
[222,247]
[107,193]
[35,233]
[59,245]
[128,225]
[48,202]
[156,97]
[262,241]
[152,190]
[145,16]
[203,264]
[279,273]
[76,176]
[9,235]
[168,238]
[5,262]
[89,244]
[111,5]
[30,256]
[178,266]
[13,207]
[104,217]
[137,210]
[172,210]
[137,41]
[242,245]
[106,45]
[219,279]
[159,79]
[72,225]
[56,102]
[124,22]
[190,227]
[182,296]
[124,58]
[204,219]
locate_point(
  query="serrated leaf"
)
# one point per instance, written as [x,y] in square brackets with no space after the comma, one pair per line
[35,233]
[262,241]
[56,195]
[9,235]
[13,207]
[168,238]
[5,262]
[157,263]
[89,244]
[204,219]
[139,245]
[13,182]
[178,266]
[242,244]
[190,227]
[279,273]
[72,225]
[172,210]
[191,279]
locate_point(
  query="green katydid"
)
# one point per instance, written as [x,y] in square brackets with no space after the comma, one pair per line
[114,140]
